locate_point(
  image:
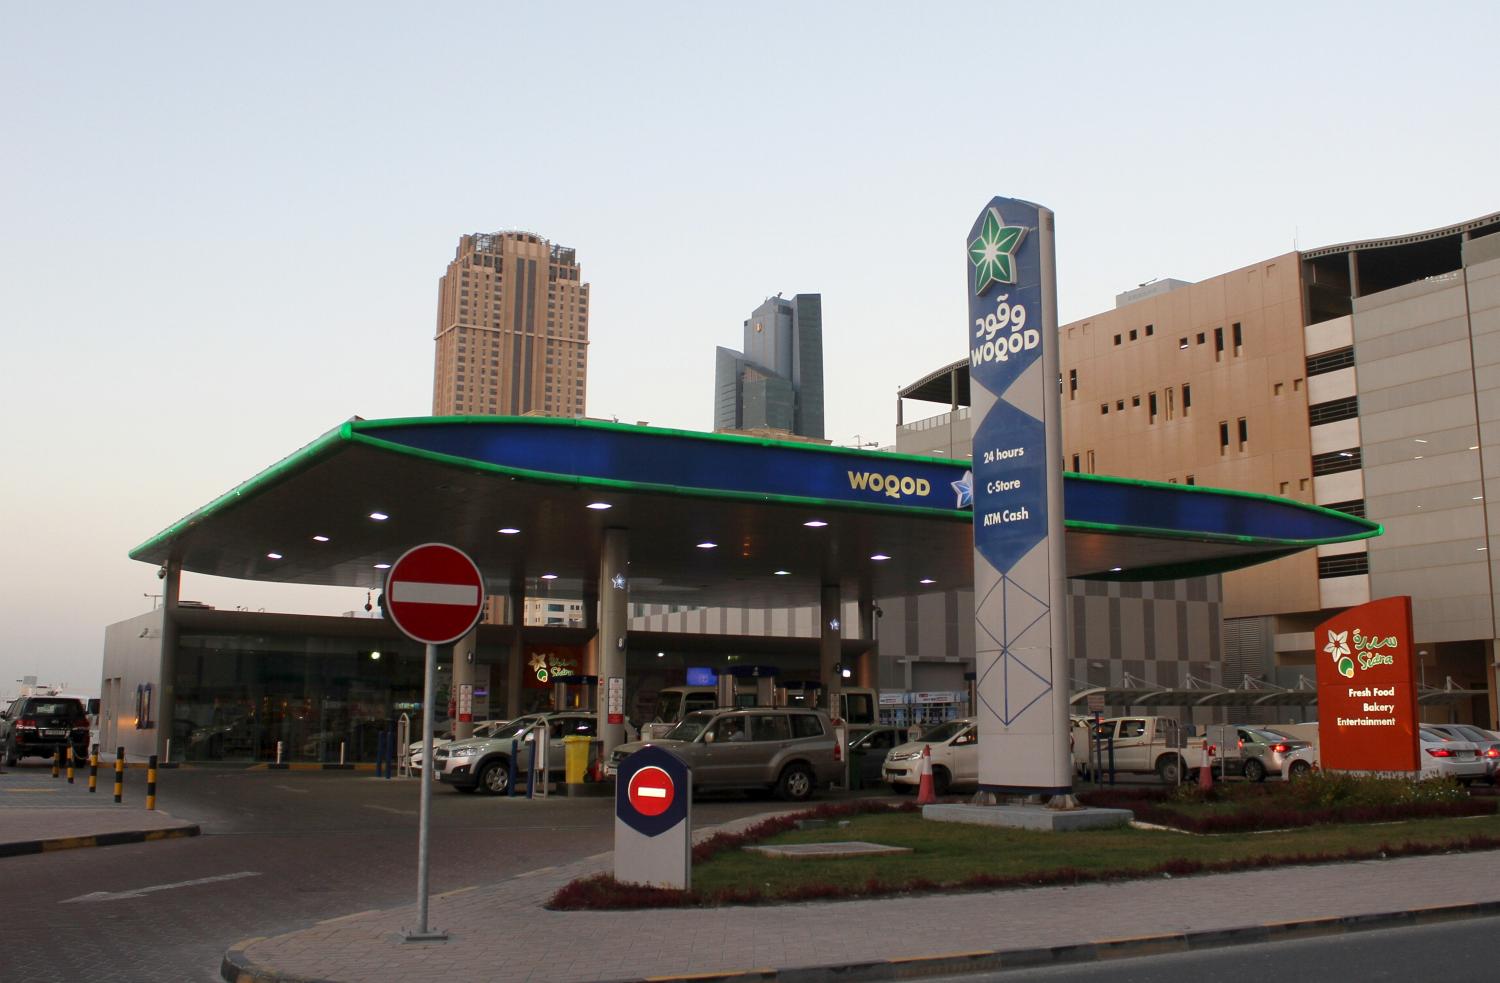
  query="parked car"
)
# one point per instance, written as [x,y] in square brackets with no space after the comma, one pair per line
[1450,757]
[955,758]
[788,751]
[41,726]
[1488,743]
[488,728]
[867,751]
[484,763]
[1256,752]
[1142,745]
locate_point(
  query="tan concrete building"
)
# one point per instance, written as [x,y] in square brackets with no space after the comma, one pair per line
[512,340]
[512,329]
[1362,377]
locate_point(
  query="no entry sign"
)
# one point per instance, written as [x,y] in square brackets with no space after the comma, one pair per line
[434,593]
[651,791]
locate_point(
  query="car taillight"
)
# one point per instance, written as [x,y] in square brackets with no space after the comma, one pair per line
[1440,752]
[1493,752]
[1281,748]
[29,722]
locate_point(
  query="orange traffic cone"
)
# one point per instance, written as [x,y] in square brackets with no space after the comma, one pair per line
[925,794]
[1206,770]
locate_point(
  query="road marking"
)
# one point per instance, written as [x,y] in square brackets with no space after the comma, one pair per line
[23,790]
[399,812]
[299,791]
[143,891]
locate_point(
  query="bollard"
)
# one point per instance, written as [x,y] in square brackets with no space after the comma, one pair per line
[94,769]
[531,773]
[390,754]
[341,754]
[70,764]
[510,785]
[278,752]
[119,772]
[166,758]
[56,763]
[151,783]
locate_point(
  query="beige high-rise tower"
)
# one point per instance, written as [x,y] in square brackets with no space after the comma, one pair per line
[512,329]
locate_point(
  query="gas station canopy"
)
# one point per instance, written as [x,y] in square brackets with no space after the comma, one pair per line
[714,519]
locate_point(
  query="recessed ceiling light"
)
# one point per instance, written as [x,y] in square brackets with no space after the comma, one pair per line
[1346,453]
[880,556]
[549,576]
[1115,569]
[783,573]
[273,556]
[1478,498]
[815,523]
[1418,440]
[1419,457]
[320,539]
[1480,549]
[600,506]
[375,656]
[1473,447]
[382,566]
[706,545]
[379,516]
[927,580]
[661,655]
[508,531]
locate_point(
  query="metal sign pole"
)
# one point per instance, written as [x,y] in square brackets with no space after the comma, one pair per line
[424,814]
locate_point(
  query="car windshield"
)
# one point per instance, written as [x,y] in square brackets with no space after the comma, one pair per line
[668,705]
[945,732]
[692,725]
[1268,736]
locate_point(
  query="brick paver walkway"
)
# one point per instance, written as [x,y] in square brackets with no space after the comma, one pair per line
[36,806]
[501,932]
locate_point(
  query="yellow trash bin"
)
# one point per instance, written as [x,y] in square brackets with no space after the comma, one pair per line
[576,755]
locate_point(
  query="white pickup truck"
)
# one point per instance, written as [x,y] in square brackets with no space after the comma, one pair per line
[1142,745]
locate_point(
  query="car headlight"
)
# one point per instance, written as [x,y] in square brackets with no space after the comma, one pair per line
[905,756]
[462,752]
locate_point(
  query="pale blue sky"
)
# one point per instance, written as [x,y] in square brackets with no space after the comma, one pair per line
[221,227]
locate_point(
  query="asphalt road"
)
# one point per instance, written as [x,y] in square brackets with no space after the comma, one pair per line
[1454,952]
[279,851]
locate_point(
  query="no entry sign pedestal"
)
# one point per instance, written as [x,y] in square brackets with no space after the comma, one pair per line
[654,820]
[434,594]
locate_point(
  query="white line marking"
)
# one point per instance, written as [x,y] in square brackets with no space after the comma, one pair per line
[651,793]
[399,812]
[418,592]
[299,791]
[142,891]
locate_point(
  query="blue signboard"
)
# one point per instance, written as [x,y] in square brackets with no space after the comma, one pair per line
[1016,485]
[702,676]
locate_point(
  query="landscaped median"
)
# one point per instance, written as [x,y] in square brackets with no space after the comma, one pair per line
[1325,819]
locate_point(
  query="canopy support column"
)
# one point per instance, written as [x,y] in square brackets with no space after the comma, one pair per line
[611,642]
[517,651]
[830,648]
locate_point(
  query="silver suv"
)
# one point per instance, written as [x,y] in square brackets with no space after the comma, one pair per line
[484,762]
[790,752]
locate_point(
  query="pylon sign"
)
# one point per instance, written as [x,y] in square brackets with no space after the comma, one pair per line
[654,819]
[1015,487]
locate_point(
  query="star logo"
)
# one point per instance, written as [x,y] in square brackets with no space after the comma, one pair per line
[964,489]
[618,581]
[994,252]
[1338,644]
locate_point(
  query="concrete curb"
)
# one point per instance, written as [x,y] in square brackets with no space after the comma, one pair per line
[238,968]
[25,847]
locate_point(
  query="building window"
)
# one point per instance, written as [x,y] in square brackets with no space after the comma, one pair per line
[1091,462]
[1120,405]
[1335,462]
[1181,343]
[1135,400]
[1192,479]
[1072,383]
[1187,398]
[1200,337]
[1132,334]
[1339,358]
[1218,343]
[1244,433]
[1223,436]
[1348,565]
[1151,406]
[1333,411]
[1355,507]
[1075,462]
[1171,401]
[1150,330]
[1238,338]
[1117,339]
[1103,409]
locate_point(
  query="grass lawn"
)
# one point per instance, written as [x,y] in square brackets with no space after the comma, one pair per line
[947,853]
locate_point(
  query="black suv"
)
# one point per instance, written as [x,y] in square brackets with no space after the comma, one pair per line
[40,726]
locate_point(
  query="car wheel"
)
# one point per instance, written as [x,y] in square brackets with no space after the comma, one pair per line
[494,778]
[1255,771]
[1169,769]
[795,784]
[941,780]
[1299,769]
[10,756]
[901,789]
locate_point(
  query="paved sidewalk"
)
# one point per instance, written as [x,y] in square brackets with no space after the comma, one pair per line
[858,939]
[39,813]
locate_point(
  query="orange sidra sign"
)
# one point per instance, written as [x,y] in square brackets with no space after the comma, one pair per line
[1367,688]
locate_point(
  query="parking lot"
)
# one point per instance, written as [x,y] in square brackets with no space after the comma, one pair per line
[278,851]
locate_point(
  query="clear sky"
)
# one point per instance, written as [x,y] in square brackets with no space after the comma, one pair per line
[221,226]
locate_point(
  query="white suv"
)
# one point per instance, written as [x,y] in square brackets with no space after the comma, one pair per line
[955,758]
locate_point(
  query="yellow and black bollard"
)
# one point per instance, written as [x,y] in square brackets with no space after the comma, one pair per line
[56,763]
[119,773]
[94,768]
[151,783]
[70,764]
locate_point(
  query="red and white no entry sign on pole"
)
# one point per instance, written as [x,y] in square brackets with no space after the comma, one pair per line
[651,791]
[434,593]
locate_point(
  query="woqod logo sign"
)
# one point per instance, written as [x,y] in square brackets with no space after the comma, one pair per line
[1363,652]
